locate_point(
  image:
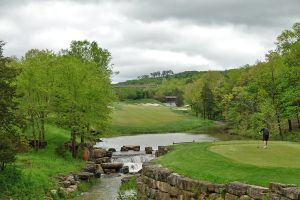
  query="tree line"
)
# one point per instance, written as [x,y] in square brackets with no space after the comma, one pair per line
[264,94]
[252,96]
[164,73]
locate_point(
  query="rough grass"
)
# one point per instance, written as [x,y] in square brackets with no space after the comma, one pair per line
[132,118]
[244,163]
[38,169]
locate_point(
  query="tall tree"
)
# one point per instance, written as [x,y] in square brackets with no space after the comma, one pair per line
[8,120]
[83,96]
[7,93]
[90,51]
[36,86]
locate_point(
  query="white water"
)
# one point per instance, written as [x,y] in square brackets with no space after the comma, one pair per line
[132,159]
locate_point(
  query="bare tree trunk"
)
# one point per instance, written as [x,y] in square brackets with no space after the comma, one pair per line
[82,137]
[298,121]
[43,125]
[40,134]
[73,136]
[33,133]
[290,125]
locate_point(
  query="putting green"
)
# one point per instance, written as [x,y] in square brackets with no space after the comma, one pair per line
[278,154]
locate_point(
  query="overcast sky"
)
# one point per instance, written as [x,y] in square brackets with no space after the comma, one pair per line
[148,35]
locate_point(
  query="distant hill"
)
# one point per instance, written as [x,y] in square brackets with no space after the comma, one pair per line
[147,81]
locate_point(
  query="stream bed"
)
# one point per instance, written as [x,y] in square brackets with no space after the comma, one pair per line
[107,186]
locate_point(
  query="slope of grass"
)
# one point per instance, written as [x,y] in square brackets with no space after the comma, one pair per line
[247,164]
[37,170]
[129,118]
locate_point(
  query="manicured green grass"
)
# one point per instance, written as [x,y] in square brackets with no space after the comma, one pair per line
[129,118]
[39,169]
[237,161]
[278,154]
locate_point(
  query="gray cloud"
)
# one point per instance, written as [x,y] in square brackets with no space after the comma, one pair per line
[255,12]
[148,35]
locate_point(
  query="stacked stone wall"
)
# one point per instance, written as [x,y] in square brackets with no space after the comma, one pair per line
[157,182]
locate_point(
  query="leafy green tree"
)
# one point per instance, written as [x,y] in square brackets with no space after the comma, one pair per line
[36,88]
[8,104]
[83,96]
[8,120]
[208,102]
[288,46]
[90,51]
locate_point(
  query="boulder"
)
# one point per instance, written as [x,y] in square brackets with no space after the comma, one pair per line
[245,197]
[71,179]
[278,188]
[103,160]
[99,153]
[116,166]
[173,179]
[123,148]
[108,171]
[99,168]
[257,192]
[162,150]
[71,189]
[97,174]
[148,150]
[231,197]
[217,188]
[108,154]
[274,196]
[124,170]
[85,175]
[185,183]
[112,149]
[237,188]
[66,184]
[292,192]
[214,196]
[90,167]
[163,195]
[130,148]
[162,186]
[125,179]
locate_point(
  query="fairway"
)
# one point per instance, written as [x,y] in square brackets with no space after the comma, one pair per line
[278,154]
[144,114]
[223,162]
[130,118]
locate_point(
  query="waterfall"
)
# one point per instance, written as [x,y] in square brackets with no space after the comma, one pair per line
[133,160]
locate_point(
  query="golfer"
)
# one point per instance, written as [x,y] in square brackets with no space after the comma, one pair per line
[265,134]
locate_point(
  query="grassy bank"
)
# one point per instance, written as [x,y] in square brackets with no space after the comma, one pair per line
[34,172]
[135,118]
[242,161]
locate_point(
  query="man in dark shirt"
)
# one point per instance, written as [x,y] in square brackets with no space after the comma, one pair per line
[265,134]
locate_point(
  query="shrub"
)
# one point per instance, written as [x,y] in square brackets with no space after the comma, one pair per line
[62,151]
[7,151]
